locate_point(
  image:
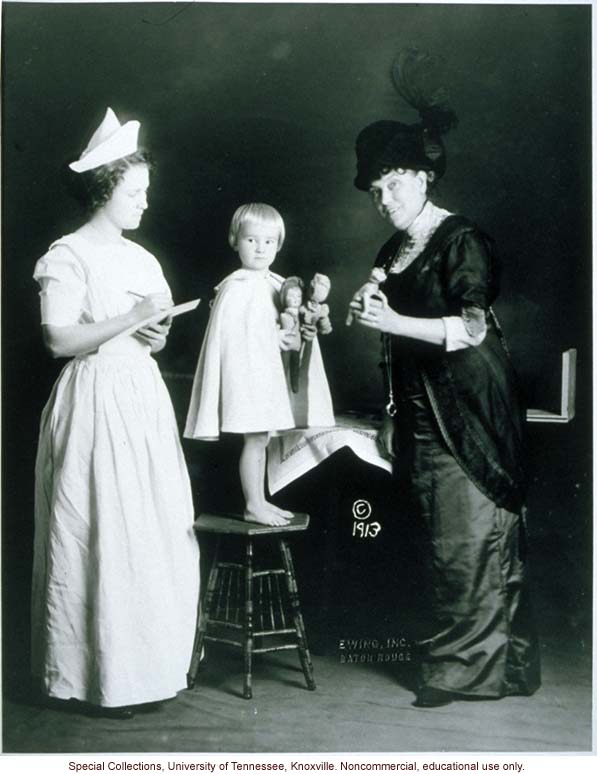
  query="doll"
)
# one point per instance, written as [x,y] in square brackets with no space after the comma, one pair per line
[291,299]
[314,314]
[315,311]
[370,288]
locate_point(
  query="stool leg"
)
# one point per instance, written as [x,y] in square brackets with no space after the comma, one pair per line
[203,609]
[299,625]
[248,623]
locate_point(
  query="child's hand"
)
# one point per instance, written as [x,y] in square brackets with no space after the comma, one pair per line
[308,331]
[286,339]
[324,325]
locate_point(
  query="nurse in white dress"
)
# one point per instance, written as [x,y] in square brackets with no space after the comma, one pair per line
[115,575]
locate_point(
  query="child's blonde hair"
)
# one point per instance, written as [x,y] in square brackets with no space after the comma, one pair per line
[257,213]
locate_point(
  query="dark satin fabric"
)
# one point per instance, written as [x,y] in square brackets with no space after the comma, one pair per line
[459,428]
[481,641]
[473,391]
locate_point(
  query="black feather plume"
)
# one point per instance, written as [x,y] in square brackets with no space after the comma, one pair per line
[414,74]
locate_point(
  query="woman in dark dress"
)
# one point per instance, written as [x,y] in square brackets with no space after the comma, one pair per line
[454,409]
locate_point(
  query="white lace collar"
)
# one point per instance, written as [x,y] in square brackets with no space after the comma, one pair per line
[418,235]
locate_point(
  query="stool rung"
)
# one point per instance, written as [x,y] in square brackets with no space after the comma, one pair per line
[217,622]
[273,648]
[245,604]
[222,639]
[268,572]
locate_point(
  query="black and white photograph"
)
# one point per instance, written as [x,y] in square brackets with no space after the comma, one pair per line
[297,384]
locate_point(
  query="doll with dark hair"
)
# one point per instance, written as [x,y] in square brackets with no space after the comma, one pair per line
[291,299]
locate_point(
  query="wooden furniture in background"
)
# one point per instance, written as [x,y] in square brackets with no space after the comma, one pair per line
[568,391]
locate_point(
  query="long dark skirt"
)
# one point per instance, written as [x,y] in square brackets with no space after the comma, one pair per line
[481,640]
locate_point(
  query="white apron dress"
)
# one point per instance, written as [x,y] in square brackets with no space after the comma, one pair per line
[240,383]
[115,574]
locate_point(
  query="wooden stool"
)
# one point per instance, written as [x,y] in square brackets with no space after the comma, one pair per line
[241,604]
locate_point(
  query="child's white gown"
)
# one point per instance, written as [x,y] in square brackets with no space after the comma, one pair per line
[240,384]
[116,575]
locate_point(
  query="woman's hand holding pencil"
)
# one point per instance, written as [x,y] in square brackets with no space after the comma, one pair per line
[150,304]
[156,333]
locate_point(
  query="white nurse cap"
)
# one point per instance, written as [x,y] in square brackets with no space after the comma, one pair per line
[110,141]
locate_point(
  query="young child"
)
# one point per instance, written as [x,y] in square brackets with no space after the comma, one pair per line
[240,383]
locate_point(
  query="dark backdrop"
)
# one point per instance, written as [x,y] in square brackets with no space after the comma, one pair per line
[262,102]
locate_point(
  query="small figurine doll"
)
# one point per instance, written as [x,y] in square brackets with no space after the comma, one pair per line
[291,298]
[315,311]
[370,288]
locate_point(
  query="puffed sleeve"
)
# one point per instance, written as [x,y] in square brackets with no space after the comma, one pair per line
[471,277]
[471,286]
[63,287]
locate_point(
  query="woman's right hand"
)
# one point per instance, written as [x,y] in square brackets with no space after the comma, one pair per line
[74,340]
[151,305]
[385,437]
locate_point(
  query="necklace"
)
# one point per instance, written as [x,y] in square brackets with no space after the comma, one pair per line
[415,241]
[390,407]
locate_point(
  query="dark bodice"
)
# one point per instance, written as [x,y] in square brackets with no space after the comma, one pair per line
[457,267]
[473,391]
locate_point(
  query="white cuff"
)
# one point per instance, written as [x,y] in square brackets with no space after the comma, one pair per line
[457,337]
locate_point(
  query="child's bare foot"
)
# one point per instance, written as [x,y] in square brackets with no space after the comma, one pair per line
[264,516]
[286,515]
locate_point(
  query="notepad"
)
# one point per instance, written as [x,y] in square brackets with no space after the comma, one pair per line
[174,311]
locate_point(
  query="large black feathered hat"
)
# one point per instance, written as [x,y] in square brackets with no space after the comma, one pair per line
[387,145]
